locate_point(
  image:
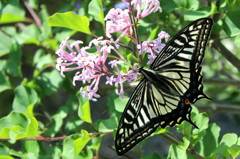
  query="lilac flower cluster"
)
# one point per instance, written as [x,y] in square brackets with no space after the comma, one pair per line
[91,67]
[153,47]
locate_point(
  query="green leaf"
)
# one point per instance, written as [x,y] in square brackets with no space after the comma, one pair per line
[191,15]
[231,23]
[4,150]
[237,41]
[12,14]
[179,151]
[87,154]
[80,143]
[30,35]
[201,120]
[57,121]
[6,157]
[32,149]
[12,2]
[19,125]
[73,145]
[154,33]
[32,128]
[42,61]
[120,103]
[208,144]
[108,124]
[168,6]
[46,30]
[19,154]
[5,44]
[70,20]
[84,110]
[95,143]
[234,150]
[50,82]
[4,82]
[24,96]
[55,152]
[14,61]
[227,141]
[189,4]
[12,125]
[110,102]
[96,10]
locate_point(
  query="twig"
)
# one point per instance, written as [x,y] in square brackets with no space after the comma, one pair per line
[222,82]
[34,15]
[42,138]
[217,108]
[169,138]
[227,54]
[192,151]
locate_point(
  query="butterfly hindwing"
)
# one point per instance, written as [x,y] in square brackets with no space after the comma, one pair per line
[138,121]
[163,96]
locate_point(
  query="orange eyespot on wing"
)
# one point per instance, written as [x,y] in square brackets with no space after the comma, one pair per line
[186,101]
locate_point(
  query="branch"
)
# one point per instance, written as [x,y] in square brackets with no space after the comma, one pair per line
[192,151]
[42,138]
[33,13]
[217,108]
[222,82]
[169,138]
[227,54]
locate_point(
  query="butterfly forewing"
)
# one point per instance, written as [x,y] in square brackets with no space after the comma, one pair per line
[189,43]
[161,98]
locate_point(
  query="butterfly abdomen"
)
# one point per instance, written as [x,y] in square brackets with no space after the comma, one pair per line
[160,81]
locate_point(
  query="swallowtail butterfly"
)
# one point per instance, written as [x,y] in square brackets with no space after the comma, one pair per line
[163,96]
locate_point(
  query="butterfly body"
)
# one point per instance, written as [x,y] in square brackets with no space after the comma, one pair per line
[163,96]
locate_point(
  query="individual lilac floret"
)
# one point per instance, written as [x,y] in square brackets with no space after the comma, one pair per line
[153,47]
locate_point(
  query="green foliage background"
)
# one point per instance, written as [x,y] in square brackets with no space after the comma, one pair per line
[43,116]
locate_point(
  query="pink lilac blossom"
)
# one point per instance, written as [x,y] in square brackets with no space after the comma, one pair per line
[119,80]
[153,47]
[146,7]
[91,67]
[118,20]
